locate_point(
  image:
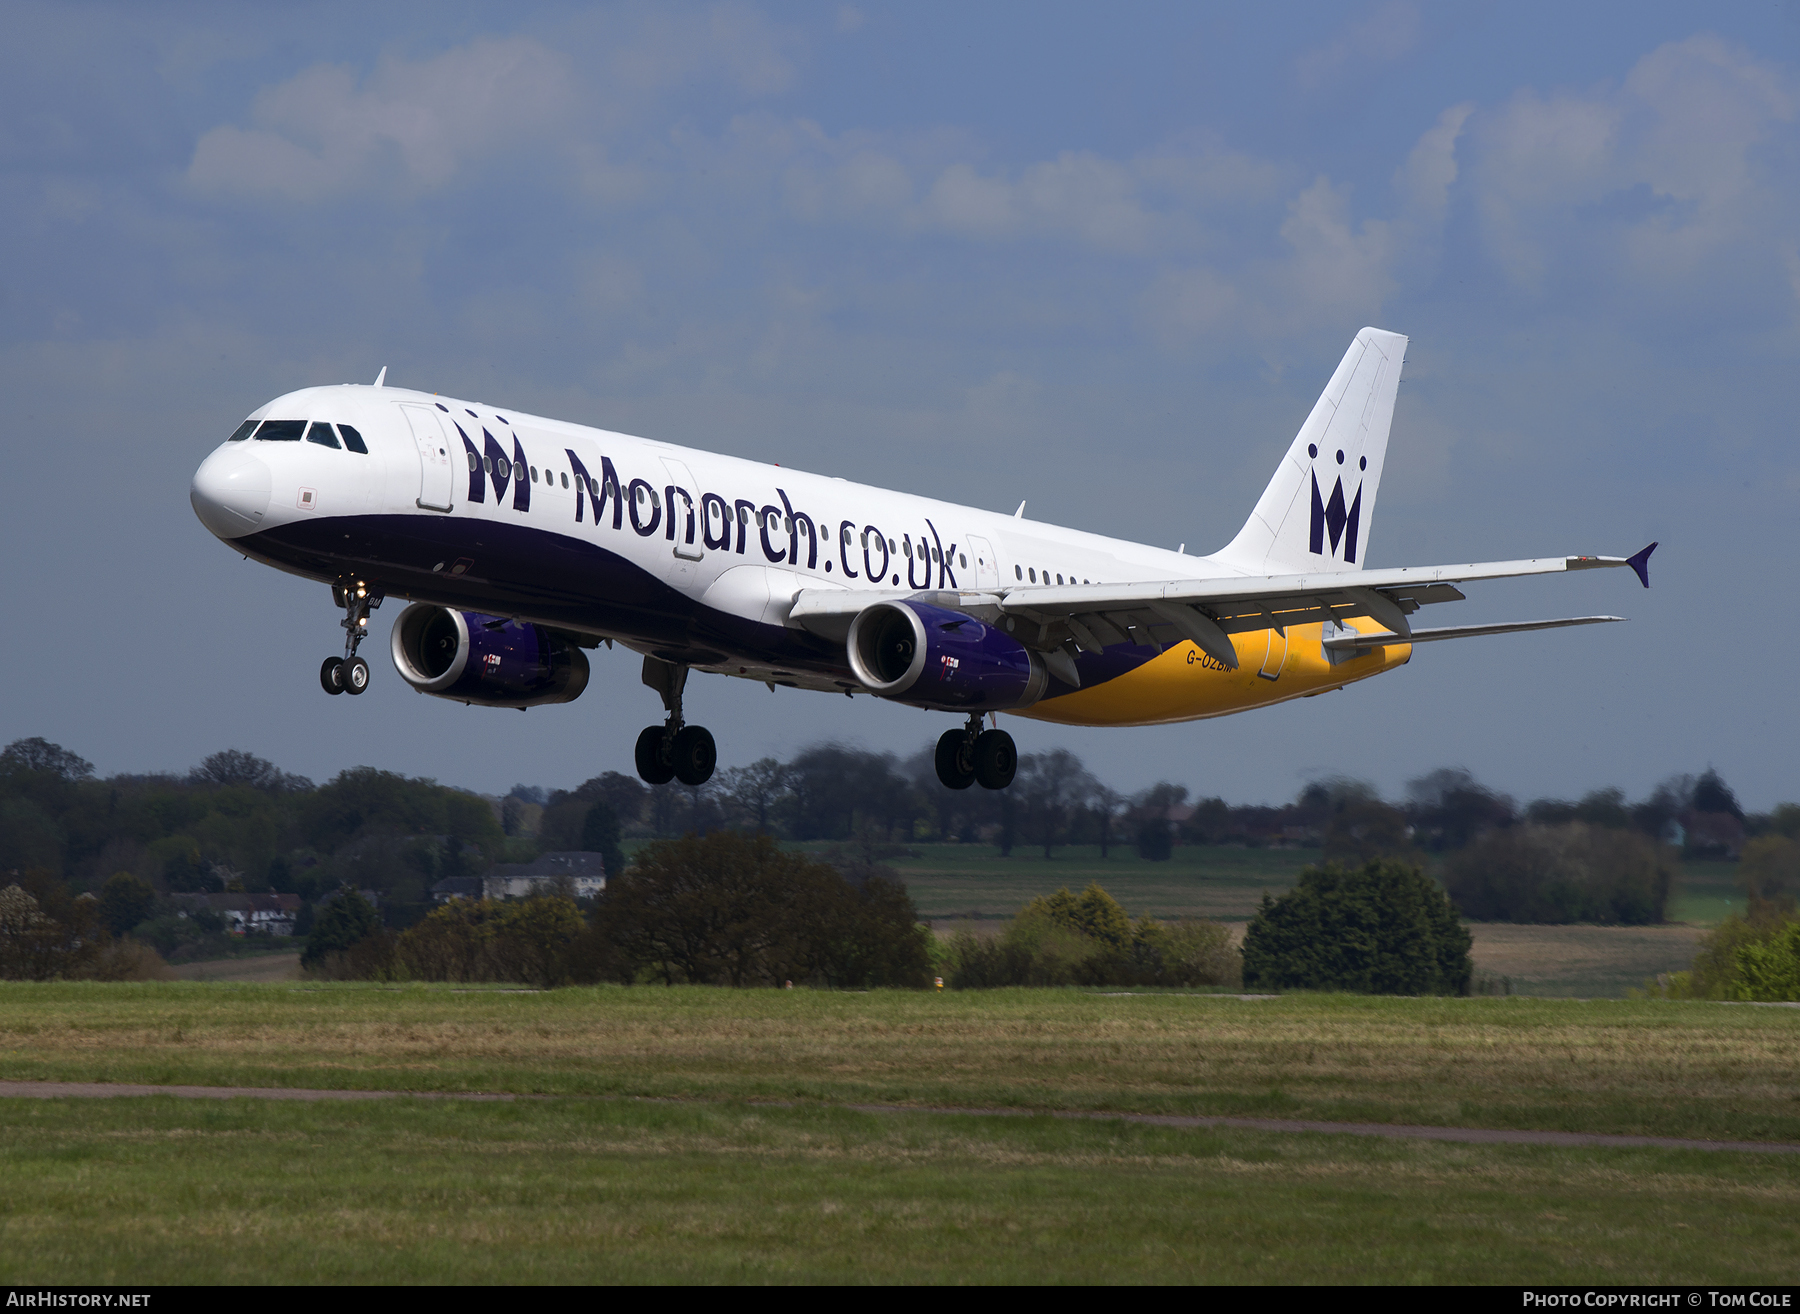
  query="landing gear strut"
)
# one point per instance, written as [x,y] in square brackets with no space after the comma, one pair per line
[350,673]
[673,750]
[971,756]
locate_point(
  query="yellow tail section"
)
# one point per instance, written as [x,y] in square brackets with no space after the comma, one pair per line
[1185,684]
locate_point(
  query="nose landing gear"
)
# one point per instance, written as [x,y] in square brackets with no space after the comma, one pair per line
[350,673]
[673,750]
[971,756]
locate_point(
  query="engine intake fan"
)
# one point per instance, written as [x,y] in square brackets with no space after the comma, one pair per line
[486,660]
[930,656]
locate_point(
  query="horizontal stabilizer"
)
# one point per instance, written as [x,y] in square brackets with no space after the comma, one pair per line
[1358,642]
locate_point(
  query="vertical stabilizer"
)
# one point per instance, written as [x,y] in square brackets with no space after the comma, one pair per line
[1316,512]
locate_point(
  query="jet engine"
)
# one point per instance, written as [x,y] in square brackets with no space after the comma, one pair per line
[485,659]
[929,656]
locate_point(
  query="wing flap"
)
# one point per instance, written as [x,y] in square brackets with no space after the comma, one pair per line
[1360,642]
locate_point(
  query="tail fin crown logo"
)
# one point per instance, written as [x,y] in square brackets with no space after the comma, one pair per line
[1331,515]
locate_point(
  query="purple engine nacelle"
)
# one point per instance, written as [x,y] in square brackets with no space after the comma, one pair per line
[485,659]
[929,656]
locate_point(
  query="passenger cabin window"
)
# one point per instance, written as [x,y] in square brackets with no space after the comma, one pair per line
[1018,572]
[353,440]
[534,474]
[321,434]
[565,480]
[280,431]
[1034,574]
[244,430]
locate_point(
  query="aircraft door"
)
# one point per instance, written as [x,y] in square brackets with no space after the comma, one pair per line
[986,565]
[1276,657]
[436,470]
[683,498]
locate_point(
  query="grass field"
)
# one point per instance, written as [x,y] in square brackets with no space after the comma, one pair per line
[709,1186]
[567,1191]
[1649,1067]
[973,881]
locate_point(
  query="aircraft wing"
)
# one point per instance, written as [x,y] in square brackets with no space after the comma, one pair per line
[1207,611]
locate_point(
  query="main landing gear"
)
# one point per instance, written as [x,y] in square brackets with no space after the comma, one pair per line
[350,673]
[673,750]
[973,756]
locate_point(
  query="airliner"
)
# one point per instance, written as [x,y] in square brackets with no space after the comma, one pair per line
[520,543]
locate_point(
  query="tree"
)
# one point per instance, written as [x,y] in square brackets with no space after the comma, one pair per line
[1155,830]
[339,927]
[757,791]
[124,902]
[1107,803]
[1050,786]
[233,766]
[600,834]
[1384,928]
[733,909]
[1360,828]
[1713,795]
[1769,871]
[1449,808]
[1560,874]
[42,755]
[44,933]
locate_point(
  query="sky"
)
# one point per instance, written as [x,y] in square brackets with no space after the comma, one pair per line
[1100,258]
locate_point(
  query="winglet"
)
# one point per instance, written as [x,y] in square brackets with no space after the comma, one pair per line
[1641,564]
[381,377]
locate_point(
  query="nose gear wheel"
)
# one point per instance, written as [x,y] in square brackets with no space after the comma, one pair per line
[350,673]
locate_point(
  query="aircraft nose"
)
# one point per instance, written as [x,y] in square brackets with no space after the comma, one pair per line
[231,491]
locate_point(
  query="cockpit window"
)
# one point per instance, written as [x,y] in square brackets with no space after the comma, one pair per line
[321,434]
[244,430]
[352,439]
[280,431]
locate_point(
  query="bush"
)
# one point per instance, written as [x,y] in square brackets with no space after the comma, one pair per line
[1755,957]
[1382,929]
[1560,874]
[47,936]
[600,833]
[524,940]
[731,909]
[1064,939]
[343,923]
[125,901]
[1769,870]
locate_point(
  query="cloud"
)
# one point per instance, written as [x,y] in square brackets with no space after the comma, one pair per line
[1333,269]
[1385,34]
[411,126]
[1658,177]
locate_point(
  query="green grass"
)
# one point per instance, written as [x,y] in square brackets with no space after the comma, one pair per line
[954,880]
[161,1191]
[1708,893]
[1653,1067]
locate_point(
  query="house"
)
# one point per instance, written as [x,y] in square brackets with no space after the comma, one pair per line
[456,887]
[584,872]
[262,914]
[1713,835]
